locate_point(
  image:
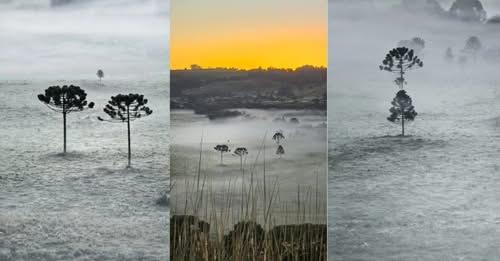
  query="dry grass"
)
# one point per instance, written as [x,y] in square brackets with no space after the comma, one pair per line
[252,223]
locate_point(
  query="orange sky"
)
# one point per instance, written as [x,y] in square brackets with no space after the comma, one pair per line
[248,34]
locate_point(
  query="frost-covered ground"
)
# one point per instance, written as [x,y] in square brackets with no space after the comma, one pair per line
[432,195]
[85,205]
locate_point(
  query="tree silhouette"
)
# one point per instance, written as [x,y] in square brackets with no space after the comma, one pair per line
[468,10]
[241,152]
[221,149]
[126,108]
[65,100]
[280,151]
[473,46]
[401,110]
[399,61]
[100,74]
[278,136]
[448,56]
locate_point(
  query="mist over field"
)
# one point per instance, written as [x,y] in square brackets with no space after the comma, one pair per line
[431,194]
[85,204]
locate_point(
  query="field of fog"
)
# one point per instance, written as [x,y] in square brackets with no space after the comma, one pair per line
[85,205]
[431,195]
[304,161]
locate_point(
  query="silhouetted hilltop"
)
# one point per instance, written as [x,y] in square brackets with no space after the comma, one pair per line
[212,89]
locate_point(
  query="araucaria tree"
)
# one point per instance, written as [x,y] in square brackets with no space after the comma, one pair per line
[241,152]
[100,74]
[399,61]
[124,108]
[278,136]
[280,151]
[221,149]
[65,100]
[402,110]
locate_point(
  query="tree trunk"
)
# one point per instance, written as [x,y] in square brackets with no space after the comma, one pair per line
[128,133]
[221,157]
[241,162]
[64,123]
[402,126]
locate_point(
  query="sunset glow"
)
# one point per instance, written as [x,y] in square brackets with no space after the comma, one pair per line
[225,33]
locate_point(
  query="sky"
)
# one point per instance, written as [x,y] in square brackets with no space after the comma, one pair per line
[248,34]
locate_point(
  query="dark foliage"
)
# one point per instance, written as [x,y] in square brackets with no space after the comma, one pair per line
[402,108]
[400,60]
[278,136]
[65,99]
[124,107]
[222,149]
[280,150]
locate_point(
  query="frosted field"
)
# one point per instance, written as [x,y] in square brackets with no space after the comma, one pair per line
[432,195]
[85,205]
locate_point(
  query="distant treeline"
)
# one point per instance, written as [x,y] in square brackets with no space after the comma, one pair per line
[196,76]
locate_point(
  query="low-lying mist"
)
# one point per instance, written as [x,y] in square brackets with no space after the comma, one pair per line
[124,38]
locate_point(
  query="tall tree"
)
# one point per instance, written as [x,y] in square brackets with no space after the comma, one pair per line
[100,74]
[222,149]
[473,46]
[124,108]
[241,152]
[278,136]
[402,110]
[65,100]
[400,60]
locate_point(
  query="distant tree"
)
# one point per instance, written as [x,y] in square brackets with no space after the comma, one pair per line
[448,56]
[294,120]
[473,46]
[221,149]
[280,151]
[100,74]
[196,67]
[124,108]
[278,136]
[401,110]
[468,10]
[241,152]
[416,43]
[399,61]
[65,100]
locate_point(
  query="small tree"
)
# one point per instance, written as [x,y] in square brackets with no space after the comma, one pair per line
[126,108]
[100,74]
[473,46]
[399,61]
[221,149]
[278,136]
[241,152]
[65,100]
[280,151]
[448,56]
[401,110]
